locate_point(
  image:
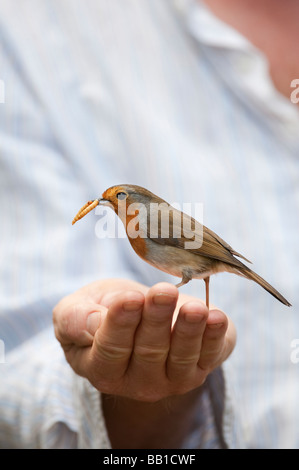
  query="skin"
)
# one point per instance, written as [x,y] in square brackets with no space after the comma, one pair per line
[143,367]
[147,350]
[272,26]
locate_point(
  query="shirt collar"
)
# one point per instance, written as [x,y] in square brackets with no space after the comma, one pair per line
[210,30]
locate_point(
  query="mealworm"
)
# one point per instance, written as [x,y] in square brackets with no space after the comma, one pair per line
[85,209]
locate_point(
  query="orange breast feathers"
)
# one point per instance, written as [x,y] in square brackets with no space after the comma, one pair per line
[134,231]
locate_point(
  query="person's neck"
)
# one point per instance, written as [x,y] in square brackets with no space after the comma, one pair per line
[270,25]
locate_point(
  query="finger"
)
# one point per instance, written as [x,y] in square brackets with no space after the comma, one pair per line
[186,342]
[153,334]
[104,292]
[70,319]
[213,343]
[114,340]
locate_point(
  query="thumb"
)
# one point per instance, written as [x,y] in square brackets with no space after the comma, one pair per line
[77,322]
[94,320]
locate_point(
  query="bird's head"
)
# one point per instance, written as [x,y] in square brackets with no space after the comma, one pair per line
[123,199]
[121,196]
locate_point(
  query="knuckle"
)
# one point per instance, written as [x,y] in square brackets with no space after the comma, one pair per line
[150,354]
[184,361]
[214,350]
[185,334]
[111,352]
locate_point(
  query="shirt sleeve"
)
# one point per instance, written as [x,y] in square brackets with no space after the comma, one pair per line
[36,399]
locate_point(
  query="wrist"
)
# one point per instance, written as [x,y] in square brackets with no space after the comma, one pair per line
[165,423]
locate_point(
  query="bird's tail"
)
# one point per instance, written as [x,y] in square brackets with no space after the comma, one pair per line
[255,277]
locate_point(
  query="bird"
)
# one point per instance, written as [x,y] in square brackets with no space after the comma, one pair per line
[171,240]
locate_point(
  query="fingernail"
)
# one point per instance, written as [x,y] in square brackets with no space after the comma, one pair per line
[92,322]
[132,305]
[214,326]
[163,299]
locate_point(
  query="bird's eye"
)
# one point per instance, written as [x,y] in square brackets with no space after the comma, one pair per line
[121,195]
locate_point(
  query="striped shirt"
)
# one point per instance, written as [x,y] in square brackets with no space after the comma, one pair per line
[161,94]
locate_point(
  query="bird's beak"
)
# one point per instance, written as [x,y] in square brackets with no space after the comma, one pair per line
[104,202]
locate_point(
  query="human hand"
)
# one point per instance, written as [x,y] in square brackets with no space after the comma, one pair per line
[140,343]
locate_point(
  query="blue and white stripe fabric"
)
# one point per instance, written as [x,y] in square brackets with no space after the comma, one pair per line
[161,94]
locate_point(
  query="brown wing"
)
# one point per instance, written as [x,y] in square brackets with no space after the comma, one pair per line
[209,234]
[177,229]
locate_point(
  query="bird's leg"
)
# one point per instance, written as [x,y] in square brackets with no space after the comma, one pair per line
[185,280]
[207,283]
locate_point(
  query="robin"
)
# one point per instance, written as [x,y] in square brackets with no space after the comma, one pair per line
[171,240]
